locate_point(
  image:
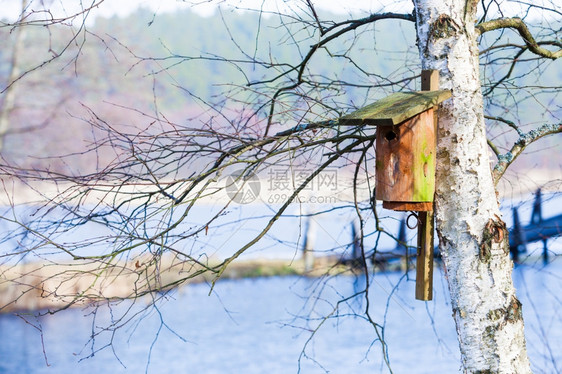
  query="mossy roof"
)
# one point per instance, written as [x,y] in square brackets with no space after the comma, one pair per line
[396,108]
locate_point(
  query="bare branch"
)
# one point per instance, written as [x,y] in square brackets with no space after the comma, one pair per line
[494,148]
[521,27]
[507,122]
[300,68]
[505,160]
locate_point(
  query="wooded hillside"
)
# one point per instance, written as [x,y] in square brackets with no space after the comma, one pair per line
[108,70]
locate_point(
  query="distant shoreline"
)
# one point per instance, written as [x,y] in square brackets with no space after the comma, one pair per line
[43,286]
[17,193]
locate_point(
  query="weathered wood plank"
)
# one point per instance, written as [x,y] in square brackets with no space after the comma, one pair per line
[430,80]
[424,260]
[396,108]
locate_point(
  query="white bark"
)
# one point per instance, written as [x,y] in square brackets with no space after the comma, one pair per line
[473,239]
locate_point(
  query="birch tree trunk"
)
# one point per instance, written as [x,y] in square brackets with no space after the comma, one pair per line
[473,238]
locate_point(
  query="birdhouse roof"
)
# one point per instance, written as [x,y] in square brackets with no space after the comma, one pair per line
[396,108]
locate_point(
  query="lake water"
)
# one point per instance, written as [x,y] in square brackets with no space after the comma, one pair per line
[279,325]
[265,326]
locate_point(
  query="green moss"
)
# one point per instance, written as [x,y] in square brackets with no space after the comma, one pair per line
[396,108]
[424,176]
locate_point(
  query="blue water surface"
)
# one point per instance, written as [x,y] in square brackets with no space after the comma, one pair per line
[266,325]
[279,324]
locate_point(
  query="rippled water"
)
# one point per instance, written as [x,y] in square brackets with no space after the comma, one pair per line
[263,326]
[278,325]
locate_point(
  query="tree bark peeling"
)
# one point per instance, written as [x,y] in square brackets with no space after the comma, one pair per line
[473,239]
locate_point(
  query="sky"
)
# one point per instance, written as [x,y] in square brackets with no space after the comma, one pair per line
[205,7]
[12,8]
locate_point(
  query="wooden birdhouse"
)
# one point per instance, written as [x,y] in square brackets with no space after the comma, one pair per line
[405,161]
[405,147]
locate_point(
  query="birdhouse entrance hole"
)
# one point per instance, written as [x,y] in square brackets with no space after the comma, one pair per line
[391,135]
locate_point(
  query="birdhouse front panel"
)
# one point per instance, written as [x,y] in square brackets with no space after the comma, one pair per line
[405,163]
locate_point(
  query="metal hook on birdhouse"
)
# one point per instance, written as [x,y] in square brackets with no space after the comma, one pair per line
[413,214]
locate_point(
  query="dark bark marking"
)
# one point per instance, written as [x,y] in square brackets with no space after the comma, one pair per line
[443,27]
[512,313]
[495,231]
[514,310]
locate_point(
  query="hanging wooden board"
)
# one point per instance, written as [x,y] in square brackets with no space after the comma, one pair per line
[424,259]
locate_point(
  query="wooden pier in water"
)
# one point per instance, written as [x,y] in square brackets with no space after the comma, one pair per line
[537,230]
